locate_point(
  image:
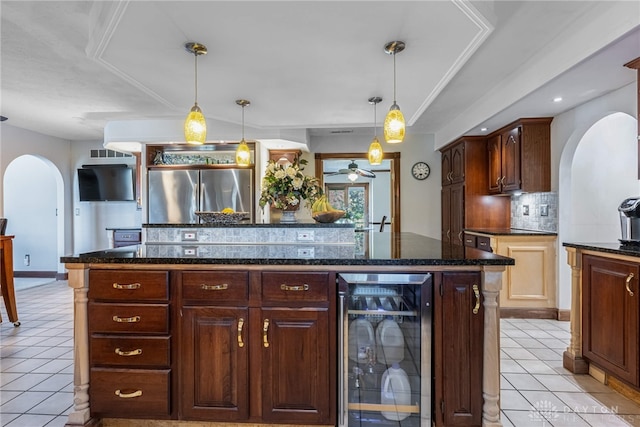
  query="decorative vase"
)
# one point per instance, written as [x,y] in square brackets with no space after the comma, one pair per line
[289,214]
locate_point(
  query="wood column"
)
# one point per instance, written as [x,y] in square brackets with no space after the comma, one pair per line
[635,64]
[572,357]
[492,283]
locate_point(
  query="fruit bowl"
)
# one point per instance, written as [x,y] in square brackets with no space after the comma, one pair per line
[328,216]
[210,217]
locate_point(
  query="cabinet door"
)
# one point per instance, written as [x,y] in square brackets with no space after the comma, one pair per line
[295,366]
[457,163]
[494,148]
[446,221]
[610,315]
[214,380]
[457,220]
[459,340]
[446,167]
[511,160]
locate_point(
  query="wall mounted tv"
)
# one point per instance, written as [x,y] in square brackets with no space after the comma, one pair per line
[101,183]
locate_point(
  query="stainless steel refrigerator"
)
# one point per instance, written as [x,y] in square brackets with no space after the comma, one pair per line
[175,195]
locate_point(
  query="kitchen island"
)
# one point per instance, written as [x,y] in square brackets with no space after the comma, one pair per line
[258,286]
[605,329]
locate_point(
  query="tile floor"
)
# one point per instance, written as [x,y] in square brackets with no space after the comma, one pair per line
[36,369]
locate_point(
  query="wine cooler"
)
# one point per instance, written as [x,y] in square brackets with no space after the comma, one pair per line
[385,350]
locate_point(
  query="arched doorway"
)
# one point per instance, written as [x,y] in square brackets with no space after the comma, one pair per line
[34,206]
[598,169]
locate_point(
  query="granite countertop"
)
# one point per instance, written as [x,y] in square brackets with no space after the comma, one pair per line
[510,232]
[400,249]
[299,224]
[609,247]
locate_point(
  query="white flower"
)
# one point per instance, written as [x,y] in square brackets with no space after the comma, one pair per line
[280,174]
[294,201]
[271,168]
[291,171]
[297,183]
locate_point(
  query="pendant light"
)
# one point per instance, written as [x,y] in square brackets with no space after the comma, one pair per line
[243,154]
[375,149]
[394,122]
[195,126]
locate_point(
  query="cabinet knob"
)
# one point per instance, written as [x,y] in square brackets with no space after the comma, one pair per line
[627,282]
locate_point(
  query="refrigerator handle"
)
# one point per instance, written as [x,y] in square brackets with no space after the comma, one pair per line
[342,407]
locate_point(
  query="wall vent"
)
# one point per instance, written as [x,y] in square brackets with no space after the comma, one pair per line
[105,153]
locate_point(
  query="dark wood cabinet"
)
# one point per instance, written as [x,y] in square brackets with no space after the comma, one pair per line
[458,332]
[610,316]
[465,203]
[519,157]
[257,346]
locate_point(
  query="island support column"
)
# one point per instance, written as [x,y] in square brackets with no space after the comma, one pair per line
[572,357]
[492,283]
[79,281]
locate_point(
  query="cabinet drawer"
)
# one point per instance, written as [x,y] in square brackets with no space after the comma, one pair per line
[484,243]
[215,286]
[127,236]
[132,285]
[130,351]
[470,240]
[130,392]
[128,318]
[288,287]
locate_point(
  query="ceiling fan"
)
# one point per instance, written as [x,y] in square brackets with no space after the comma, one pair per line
[353,171]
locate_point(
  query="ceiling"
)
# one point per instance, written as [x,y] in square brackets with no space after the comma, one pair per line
[68,68]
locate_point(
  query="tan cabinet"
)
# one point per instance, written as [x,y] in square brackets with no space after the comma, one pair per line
[519,157]
[529,287]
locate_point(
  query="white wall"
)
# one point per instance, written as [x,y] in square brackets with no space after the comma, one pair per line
[419,200]
[594,166]
[90,219]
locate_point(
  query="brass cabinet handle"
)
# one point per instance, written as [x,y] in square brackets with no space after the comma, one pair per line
[502,180]
[451,176]
[483,243]
[627,282]
[265,328]
[136,352]
[240,325]
[136,393]
[460,236]
[448,234]
[304,287]
[133,319]
[220,287]
[476,292]
[129,286]
[498,181]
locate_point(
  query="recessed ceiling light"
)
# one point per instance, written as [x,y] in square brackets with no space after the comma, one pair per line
[557,99]
[483,129]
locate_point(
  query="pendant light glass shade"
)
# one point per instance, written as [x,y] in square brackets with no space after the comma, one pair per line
[195,126]
[394,125]
[375,153]
[243,153]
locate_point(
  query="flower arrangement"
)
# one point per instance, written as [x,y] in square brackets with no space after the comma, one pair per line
[284,186]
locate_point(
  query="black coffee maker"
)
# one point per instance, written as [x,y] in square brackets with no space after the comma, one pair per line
[630,220]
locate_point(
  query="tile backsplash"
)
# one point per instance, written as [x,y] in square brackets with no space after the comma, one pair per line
[535,211]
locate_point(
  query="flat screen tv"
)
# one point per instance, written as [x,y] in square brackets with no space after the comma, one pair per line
[101,183]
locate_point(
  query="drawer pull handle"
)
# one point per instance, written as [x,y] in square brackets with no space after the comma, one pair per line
[476,292]
[240,325]
[483,243]
[304,287]
[133,319]
[129,287]
[627,282]
[135,352]
[220,287]
[265,329]
[136,393]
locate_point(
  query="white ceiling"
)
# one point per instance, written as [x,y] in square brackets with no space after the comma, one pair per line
[68,68]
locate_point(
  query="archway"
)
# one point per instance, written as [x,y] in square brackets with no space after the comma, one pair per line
[597,171]
[33,192]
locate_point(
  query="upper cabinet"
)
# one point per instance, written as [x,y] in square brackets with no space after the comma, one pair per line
[453,164]
[520,157]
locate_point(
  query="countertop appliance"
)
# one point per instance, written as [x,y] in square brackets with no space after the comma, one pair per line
[175,195]
[629,211]
[385,345]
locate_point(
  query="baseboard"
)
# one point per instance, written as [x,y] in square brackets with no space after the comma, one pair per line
[51,274]
[564,315]
[624,389]
[528,313]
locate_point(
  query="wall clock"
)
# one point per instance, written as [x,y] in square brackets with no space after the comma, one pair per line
[420,170]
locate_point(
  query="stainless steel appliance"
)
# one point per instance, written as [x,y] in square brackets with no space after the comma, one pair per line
[385,378]
[629,211]
[175,195]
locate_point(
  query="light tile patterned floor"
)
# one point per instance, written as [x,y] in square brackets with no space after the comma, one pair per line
[36,370]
